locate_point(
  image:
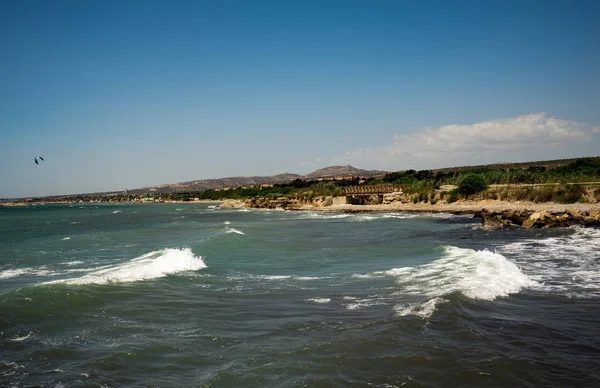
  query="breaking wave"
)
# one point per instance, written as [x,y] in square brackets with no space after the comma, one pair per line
[152,265]
[569,264]
[480,275]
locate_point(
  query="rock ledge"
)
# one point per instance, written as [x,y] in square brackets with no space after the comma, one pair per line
[531,219]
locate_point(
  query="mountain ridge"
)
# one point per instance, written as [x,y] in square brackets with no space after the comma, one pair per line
[239,181]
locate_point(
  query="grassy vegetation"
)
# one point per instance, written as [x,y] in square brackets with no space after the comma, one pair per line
[561,193]
[296,188]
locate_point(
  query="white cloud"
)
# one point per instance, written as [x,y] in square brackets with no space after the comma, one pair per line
[525,138]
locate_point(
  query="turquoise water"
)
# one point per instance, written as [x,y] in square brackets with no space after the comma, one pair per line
[193,296]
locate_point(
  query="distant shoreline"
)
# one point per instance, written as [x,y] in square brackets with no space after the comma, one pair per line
[41,203]
[458,207]
[494,214]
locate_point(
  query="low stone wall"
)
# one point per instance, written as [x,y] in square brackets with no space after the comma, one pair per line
[543,219]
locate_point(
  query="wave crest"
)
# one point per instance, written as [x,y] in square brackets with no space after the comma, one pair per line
[481,275]
[152,265]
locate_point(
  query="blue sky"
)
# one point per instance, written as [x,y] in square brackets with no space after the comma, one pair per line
[127,94]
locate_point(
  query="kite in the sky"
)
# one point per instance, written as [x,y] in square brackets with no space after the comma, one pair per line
[37,159]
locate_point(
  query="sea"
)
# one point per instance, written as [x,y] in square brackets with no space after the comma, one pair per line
[192,295]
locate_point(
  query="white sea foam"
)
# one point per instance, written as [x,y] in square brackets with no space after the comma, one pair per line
[66,238]
[320,215]
[13,273]
[319,300]
[23,338]
[274,277]
[401,216]
[226,222]
[365,217]
[371,275]
[246,276]
[476,274]
[423,310]
[444,216]
[152,265]
[231,230]
[569,265]
[366,302]
[72,263]
[116,212]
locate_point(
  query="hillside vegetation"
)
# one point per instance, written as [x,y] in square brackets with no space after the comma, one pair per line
[542,184]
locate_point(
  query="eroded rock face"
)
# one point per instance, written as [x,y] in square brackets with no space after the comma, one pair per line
[282,203]
[529,219]
[396,196]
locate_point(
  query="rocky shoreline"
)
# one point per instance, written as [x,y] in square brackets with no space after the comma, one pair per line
[541,219]
[493,214]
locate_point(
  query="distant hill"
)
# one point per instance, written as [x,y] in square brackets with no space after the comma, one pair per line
[218,183]
[240,181]
[343,171]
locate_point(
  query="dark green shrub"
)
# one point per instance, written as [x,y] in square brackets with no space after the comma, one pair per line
[453,196]
[472,183]
[570,194]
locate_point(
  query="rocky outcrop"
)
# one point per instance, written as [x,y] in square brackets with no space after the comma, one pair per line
[394,197]
[285,203]
[542,219]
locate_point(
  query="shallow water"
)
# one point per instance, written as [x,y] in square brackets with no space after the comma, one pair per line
[188,295]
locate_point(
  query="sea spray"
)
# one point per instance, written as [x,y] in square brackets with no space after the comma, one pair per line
[152,265]
[481,275]
[567,264]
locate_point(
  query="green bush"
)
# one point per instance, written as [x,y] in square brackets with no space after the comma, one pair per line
[453,196]
[472,184]
[570,194]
